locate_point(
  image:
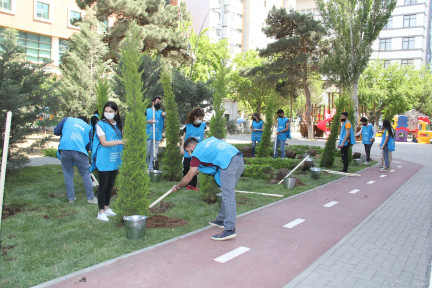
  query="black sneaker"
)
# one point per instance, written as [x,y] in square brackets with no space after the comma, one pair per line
[219,224]
[226,234]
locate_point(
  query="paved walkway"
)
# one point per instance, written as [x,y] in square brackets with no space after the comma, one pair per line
[373,237]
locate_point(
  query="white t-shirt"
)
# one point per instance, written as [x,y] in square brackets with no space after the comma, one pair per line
[100,131]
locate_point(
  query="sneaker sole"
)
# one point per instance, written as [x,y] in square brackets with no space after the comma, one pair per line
[102,220]
[216,225]
[225,238]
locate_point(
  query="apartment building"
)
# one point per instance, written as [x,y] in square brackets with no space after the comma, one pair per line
[43,25]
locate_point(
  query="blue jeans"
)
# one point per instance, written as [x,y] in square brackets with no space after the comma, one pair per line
[228,179]
[386,156]
[68,158]
[280,143]
[253,147]
[149,158]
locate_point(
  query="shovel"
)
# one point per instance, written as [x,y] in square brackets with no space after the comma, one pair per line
[274,147]
[155,161]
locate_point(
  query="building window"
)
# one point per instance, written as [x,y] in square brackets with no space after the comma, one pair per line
[408,43]
[385,44]
[74,16]
[389,24]
[386,64]
[37,47]
[42,10]
[5,5]
[409,21]
[406,62]
[63,48]
[410,2]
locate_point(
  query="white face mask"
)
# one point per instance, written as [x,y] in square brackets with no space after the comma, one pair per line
[109,116]
[198,121]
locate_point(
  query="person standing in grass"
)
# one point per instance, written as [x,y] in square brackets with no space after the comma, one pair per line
[368,137]
[387,144]
[106,156]
[75,141]
[216,157]
[194,127]
[346,139]
[257,131]
[283,132]
[158,124]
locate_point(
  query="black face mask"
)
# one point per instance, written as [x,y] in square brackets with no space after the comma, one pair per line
[157,106]
[343,119]
[365,124]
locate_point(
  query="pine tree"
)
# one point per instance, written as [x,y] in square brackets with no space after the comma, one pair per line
[172,159]
[133,180]
[270,111]
[217,122]
[24,89]
[102,90]
[329,153]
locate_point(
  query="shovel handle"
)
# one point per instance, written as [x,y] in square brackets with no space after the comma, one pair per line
[160,198]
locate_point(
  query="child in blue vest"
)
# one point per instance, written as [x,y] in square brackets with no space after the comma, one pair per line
[194,127]
[159,123]
[216,157]
[387,144]
[368,136]
[106,156]
[283,132]
[75,141]
[257,131]
[346,139]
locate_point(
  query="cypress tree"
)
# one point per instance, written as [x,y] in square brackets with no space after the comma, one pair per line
[329,153]
[102,90]
[133,180]
[270,111]
[217,122]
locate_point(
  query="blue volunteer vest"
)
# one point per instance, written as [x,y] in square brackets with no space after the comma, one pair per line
[197,132]
[281,126]
[391,143]
[367,134]
[75,135]
[343,132]
[158,125]
[256,135]
[216,152]
[106,158]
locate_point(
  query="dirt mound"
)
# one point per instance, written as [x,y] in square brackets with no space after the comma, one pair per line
[161,221]
[9,211]
[282,173]
[298,182]
[162,207]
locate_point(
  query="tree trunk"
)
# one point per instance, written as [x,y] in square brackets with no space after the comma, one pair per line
[355,102]
[308,109]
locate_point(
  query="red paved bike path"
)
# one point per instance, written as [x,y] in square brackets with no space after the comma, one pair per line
[277,254]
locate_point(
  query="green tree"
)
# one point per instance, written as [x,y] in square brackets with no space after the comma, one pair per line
[172,158]
[102,90]
[422,82]
[24,89]
[217,121]
[158,22]
[270,111]
[81,68]
[133,180]
[297,51]
[354,26]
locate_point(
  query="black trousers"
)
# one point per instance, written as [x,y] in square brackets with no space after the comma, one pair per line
[186,166]
[106,183]
[345,159]
[367,150]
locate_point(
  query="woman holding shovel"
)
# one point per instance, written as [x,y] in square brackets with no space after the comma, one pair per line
[106,156]
[155,122]
[194,127]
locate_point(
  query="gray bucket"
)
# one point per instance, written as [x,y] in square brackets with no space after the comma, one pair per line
[289,183]
[363,158]
[357,162]
[315,172]
[155,175]
[135,226]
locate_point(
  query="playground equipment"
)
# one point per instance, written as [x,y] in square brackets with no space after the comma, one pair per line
[423,134]
[419,127]
[328,116]
[401,128]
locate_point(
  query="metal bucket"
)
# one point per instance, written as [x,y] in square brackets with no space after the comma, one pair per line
[155,175]
[304,155]
[357,162]
[315,172]
[135,226]
[289,183]
[363,158]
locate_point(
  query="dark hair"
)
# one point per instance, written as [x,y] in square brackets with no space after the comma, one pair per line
[257,116]
[388,127]
[363,119]
[189,141]
[156,97]
[117,118]
[96,112]
[280,111]
[196,112]
[345,114]
[84,118]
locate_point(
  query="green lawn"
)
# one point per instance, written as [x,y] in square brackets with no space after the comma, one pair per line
[50,237]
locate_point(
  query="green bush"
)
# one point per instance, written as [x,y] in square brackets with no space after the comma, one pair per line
[50,152]
[275,163]
[258,171]
[300,149]
[208,187]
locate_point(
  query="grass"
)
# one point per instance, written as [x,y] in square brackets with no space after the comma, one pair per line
[52,238]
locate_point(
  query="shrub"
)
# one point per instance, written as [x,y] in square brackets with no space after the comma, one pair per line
[258,171]
[274,163]
[208,187]
[50,152]
[265,144]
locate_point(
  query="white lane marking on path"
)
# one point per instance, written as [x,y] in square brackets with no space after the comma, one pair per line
[396,161]
[382,176]
[294,223]
[232,254]
[370,182]
[391,171]
[330,204]
[354,191]
[399,166]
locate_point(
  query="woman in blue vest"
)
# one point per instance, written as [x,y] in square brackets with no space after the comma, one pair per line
[106,156]
[283,132]
[346,139]
[387,144]
[368,136]
[257,131]
[194,127]
[159,123]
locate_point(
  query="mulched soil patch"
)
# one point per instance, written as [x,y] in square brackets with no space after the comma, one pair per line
[161,221]
[162,207]
[9,211]
[3,250]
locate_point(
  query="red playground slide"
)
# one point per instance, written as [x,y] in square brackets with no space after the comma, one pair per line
[322,125]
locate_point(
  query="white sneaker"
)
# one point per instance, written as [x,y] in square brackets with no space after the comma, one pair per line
[109,212]
[384,169]
[92,201]
[366,163]
[103,217]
